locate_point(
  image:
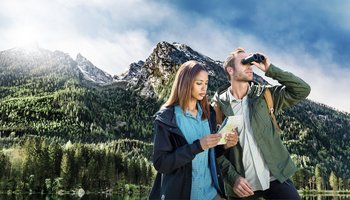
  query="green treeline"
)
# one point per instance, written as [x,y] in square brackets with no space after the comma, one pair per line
[318,180]
[318,139]
[38,164]
[59,131]
[70,110]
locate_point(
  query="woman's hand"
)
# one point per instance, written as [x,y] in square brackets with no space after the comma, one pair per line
[210,140]
[231,139]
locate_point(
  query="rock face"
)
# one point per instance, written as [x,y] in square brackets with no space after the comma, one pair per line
[150,77]
[154,76]
[36,62]
[91,72]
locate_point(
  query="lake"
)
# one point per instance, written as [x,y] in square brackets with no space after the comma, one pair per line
[68,197]
[326,197]
[116,197]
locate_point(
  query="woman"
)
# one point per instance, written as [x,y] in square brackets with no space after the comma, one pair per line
[183,155]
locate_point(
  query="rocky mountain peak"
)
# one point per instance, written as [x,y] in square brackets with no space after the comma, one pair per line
[91,72]
[161,66]
[38,62]
[132,73]
[154,77]
[35,62]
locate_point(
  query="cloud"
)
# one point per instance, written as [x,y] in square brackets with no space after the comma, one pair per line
[315,58]
[328,79]
[117,55]
[308,40]
[112,34]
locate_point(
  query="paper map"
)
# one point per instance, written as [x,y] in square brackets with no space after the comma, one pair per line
[229,124]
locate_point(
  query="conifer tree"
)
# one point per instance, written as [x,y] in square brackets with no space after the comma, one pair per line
[4,165]
[333,181]
[319,178]
[67,169]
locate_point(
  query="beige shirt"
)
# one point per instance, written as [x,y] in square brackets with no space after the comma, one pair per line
[256,171]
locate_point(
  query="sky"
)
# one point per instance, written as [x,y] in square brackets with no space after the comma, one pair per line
[308,38]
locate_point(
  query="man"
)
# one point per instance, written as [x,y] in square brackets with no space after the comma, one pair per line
[259,165]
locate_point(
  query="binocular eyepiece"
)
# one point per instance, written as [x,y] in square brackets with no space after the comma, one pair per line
[255,57]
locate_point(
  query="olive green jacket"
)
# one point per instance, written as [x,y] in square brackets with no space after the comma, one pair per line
[291,90]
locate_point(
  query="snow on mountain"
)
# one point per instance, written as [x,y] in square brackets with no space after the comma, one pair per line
[163,63]
[132,73]
[91,72]
[152,77]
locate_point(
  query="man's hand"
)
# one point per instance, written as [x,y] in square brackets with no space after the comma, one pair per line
[231,139]
[210,140]
[263,66]
[242,187]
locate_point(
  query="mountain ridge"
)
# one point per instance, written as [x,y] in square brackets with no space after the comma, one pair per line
[48,95]
[42,62]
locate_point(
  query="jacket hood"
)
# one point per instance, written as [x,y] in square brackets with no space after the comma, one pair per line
[166,116]
[256,90]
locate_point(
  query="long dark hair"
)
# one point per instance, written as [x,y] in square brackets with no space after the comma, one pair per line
[182,87]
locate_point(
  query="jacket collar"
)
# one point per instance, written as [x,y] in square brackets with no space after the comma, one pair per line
[166,115]
[255,90]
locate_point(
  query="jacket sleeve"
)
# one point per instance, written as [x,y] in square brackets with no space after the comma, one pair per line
[228,171]
[291,91]
[166,156]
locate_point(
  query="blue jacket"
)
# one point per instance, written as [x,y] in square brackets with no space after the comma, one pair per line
[172,158]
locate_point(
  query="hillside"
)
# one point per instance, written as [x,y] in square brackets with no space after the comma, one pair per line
[49,94]
[49,99]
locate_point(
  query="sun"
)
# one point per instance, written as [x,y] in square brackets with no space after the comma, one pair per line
[26,36]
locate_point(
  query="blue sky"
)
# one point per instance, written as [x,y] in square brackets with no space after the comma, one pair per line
[309,38]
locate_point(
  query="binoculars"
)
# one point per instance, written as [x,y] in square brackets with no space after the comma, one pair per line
[255,57]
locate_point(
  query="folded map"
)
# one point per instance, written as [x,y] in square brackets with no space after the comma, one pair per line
[229,125]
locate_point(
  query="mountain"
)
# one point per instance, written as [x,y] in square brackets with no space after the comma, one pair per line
[130,77]
[18,65]
[22,64]
[132,73]
[153,78]
[91,72]
[160,68]
[49,94]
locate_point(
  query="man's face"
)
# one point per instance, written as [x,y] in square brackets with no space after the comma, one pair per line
[242,72]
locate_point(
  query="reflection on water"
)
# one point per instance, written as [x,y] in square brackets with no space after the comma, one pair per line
[68,197]
[116,197]
[326,197]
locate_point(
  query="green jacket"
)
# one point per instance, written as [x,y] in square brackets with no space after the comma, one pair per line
[291,90]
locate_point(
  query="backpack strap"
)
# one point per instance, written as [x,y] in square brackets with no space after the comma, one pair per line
[219,114]
[223,88]
[269,102]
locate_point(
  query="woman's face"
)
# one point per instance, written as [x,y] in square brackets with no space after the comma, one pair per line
[200,85]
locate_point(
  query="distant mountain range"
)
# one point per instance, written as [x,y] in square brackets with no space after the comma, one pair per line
[50,94]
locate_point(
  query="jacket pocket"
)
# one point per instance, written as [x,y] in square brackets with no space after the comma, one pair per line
[263,116]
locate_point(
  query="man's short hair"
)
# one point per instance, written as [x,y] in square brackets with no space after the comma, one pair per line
[230,60]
